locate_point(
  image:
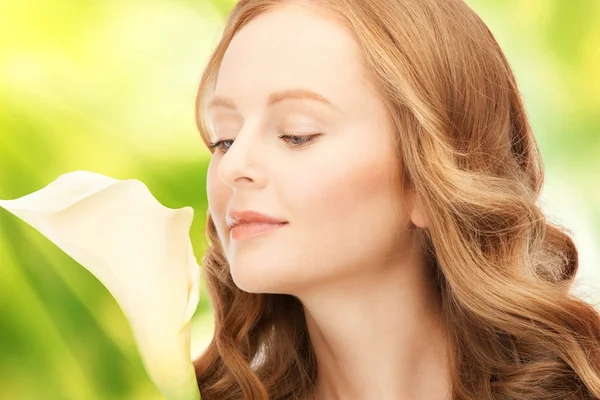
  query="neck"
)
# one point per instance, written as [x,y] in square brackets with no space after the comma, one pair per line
[379,336]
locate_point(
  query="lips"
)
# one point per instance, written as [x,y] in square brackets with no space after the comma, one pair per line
[235,218]
[249,224]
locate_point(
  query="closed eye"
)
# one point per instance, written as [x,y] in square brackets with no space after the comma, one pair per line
[295,141]
[299,140]
[221,145]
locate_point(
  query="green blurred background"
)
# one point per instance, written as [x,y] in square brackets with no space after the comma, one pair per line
[109,86]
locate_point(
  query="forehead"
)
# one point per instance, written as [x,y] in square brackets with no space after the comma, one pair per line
[292,47]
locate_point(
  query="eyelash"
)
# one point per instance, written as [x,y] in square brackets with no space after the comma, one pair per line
[218,145]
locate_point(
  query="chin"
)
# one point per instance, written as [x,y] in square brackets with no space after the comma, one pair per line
[263,280]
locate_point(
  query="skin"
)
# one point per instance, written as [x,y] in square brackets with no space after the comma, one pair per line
[348,253]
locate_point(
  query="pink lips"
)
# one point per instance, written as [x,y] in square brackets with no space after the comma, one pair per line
[249,224]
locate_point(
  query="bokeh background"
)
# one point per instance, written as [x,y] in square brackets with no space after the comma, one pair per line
[109,86]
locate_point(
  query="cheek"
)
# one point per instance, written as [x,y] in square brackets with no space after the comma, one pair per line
[218,195]
[341,191]
[346,217]
[348,211]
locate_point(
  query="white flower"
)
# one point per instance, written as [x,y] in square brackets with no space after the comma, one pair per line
[141,252]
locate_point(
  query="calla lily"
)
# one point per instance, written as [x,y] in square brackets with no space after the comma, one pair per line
[140,251]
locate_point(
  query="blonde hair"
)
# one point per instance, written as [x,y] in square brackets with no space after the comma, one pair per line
[466,147]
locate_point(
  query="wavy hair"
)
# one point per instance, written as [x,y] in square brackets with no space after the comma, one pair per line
[503,270]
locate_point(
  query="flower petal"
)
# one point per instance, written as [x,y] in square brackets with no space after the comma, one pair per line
[141,252]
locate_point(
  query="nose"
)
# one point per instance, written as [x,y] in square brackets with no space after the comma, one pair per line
[242,165]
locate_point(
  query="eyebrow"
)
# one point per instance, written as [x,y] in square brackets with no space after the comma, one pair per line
[276,97]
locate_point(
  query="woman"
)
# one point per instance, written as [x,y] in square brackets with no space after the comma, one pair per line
[373,225]
[402,255]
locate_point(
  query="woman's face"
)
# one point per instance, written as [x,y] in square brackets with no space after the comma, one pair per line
[339,192]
